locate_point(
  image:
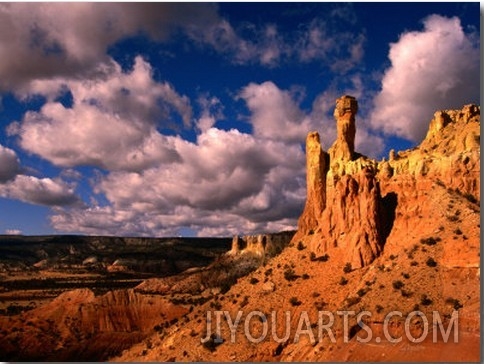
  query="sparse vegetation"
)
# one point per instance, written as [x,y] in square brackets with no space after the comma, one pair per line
[320,305]
[305,276]
[253,280]
[458,231]
[425,300]
[470,198]
[245,301]
[406,275]
[379,308]
[406,293]
[343,281]
[455,303]
[212,343]
[350,301]
[290,274]
[430,241]
[294,301]
[453,218]
[216,305]
[347,268]
[431,262]
[301,246]
[314,258]
[397,284]
[361,292]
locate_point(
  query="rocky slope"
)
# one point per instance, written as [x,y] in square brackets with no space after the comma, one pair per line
[380,236]
[84,326]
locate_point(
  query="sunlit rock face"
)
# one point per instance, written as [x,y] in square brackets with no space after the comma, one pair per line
[352,200]
[316,167]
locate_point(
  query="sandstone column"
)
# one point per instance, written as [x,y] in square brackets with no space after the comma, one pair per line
[344,113]
[316,168]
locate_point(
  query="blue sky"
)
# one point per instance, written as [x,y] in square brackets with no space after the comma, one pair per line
[167,119]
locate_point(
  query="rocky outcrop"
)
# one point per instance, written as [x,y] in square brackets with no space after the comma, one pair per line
[450,153]
[343,205]
[262,244]
[77,324]
[316,167]
[343,148]
[351,199]
[353,218]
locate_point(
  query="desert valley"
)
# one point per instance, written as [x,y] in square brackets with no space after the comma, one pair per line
[400,235]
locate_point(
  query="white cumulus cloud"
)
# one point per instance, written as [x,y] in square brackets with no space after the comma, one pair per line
[111,124]
[39,191]
[432,69]
[227,182]
[43,40]
[275,114]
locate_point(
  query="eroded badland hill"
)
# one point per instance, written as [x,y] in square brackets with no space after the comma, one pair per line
[398,235]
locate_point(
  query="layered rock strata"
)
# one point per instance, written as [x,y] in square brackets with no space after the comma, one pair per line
[351,199]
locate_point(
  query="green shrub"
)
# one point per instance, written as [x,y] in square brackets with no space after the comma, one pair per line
[294,301]
[397,284]
[343,281]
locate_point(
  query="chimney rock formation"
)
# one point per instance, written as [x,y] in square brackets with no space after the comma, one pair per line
[316,166]
[344,147]
[352,200]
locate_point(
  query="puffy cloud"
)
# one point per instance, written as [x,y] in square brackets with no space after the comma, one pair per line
[9,164]
[275,115]
[39,191]
[211,111]
[111,123]
[432,69]
[30,189]
[227,182]
[224,183]
[343,50]
[43,40]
